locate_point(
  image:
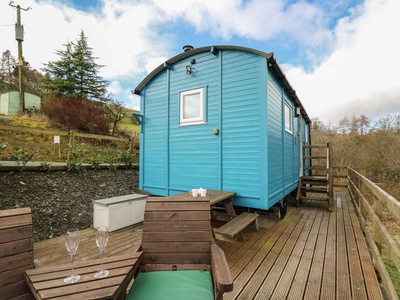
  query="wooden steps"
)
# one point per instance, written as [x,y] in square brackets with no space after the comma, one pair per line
[318,169]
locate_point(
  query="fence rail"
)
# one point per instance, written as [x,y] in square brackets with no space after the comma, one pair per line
[68,140]
[364,191]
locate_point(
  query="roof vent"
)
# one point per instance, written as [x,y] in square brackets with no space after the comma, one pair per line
[187,48]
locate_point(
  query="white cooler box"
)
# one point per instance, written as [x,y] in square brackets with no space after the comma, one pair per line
[119,212]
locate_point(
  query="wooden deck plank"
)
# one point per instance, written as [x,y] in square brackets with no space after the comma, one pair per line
[306,238]
[258,280]
[231,248]
[303,256]
[369,275]
[311,262]
[356,277]
[328,288]
[245,252]
[244,271]
[342,271]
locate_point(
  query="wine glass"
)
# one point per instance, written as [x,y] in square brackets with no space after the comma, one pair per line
[72,239]
[102,236]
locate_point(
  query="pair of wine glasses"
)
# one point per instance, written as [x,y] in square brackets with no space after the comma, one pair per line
[72,239]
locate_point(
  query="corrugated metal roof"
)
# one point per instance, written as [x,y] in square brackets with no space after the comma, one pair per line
[272,65]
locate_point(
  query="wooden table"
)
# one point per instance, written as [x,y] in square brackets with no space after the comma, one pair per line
[48,282]
[237,225]
[215,197]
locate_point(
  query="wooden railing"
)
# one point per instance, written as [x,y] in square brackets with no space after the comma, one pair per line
[67,138]
[370,201]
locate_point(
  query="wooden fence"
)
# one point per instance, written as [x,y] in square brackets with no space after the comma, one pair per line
[69,138]
[370,202]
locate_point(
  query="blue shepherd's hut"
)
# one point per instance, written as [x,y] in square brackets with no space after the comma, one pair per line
[222,118]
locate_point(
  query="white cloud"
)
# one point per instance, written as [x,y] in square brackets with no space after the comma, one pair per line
[114,87]
[125,35]
[258,19]
[119,34]
[362,70]
[131,38]
[154,62]
[133,100]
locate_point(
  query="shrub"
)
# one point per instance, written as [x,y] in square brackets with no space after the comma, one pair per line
[21,157]
[79,114]
[74,162]
[95,161]
[112,161]
[126,158]
[45,166]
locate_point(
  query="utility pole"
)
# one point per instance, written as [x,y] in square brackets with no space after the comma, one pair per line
[19,36]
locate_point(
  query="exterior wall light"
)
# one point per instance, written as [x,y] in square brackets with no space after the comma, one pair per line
[189,68]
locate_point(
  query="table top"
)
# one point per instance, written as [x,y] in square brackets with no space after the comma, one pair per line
[48,282]
[214,196]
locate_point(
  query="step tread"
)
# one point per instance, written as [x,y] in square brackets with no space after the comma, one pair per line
[315,177]
[316,168]
[315,198]
[315,189]
[315,157]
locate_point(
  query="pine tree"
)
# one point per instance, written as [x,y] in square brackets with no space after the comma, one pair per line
[75,74]
[60,79]
[8,72]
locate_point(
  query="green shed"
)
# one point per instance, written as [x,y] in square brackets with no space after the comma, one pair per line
[9,102]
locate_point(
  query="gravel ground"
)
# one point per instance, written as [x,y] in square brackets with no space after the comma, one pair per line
[60,200]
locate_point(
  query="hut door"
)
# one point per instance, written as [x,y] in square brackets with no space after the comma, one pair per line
[300,144]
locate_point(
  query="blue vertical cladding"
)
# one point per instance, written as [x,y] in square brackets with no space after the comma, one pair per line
[275,142]
[155,135]
[240,130]
[283,146]
[252,154]
[291,153]
[194,151]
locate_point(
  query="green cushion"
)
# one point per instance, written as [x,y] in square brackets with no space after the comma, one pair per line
[174,285]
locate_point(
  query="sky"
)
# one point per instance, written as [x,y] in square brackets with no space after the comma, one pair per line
[341,56]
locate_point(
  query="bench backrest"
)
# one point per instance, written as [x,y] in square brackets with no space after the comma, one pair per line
[16,252]
[176,233]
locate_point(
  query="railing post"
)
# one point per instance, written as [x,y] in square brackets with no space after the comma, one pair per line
[131,141]
[71,141]
[330,176]
[363,190]
[377,236]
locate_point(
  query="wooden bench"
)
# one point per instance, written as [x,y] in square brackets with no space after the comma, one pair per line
[16,252]
[177,237]
[232,230]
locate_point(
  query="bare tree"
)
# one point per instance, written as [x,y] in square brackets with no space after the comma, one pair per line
[354,124]
[363,122]
[317,125]
[344,125]
[116,111]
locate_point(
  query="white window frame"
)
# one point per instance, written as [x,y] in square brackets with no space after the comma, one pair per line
[196,120]
[288,113]
[306,129]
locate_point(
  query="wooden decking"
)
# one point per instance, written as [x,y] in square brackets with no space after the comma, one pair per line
[310,254]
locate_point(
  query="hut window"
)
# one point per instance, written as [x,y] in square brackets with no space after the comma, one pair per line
[192,107]
[288,118]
